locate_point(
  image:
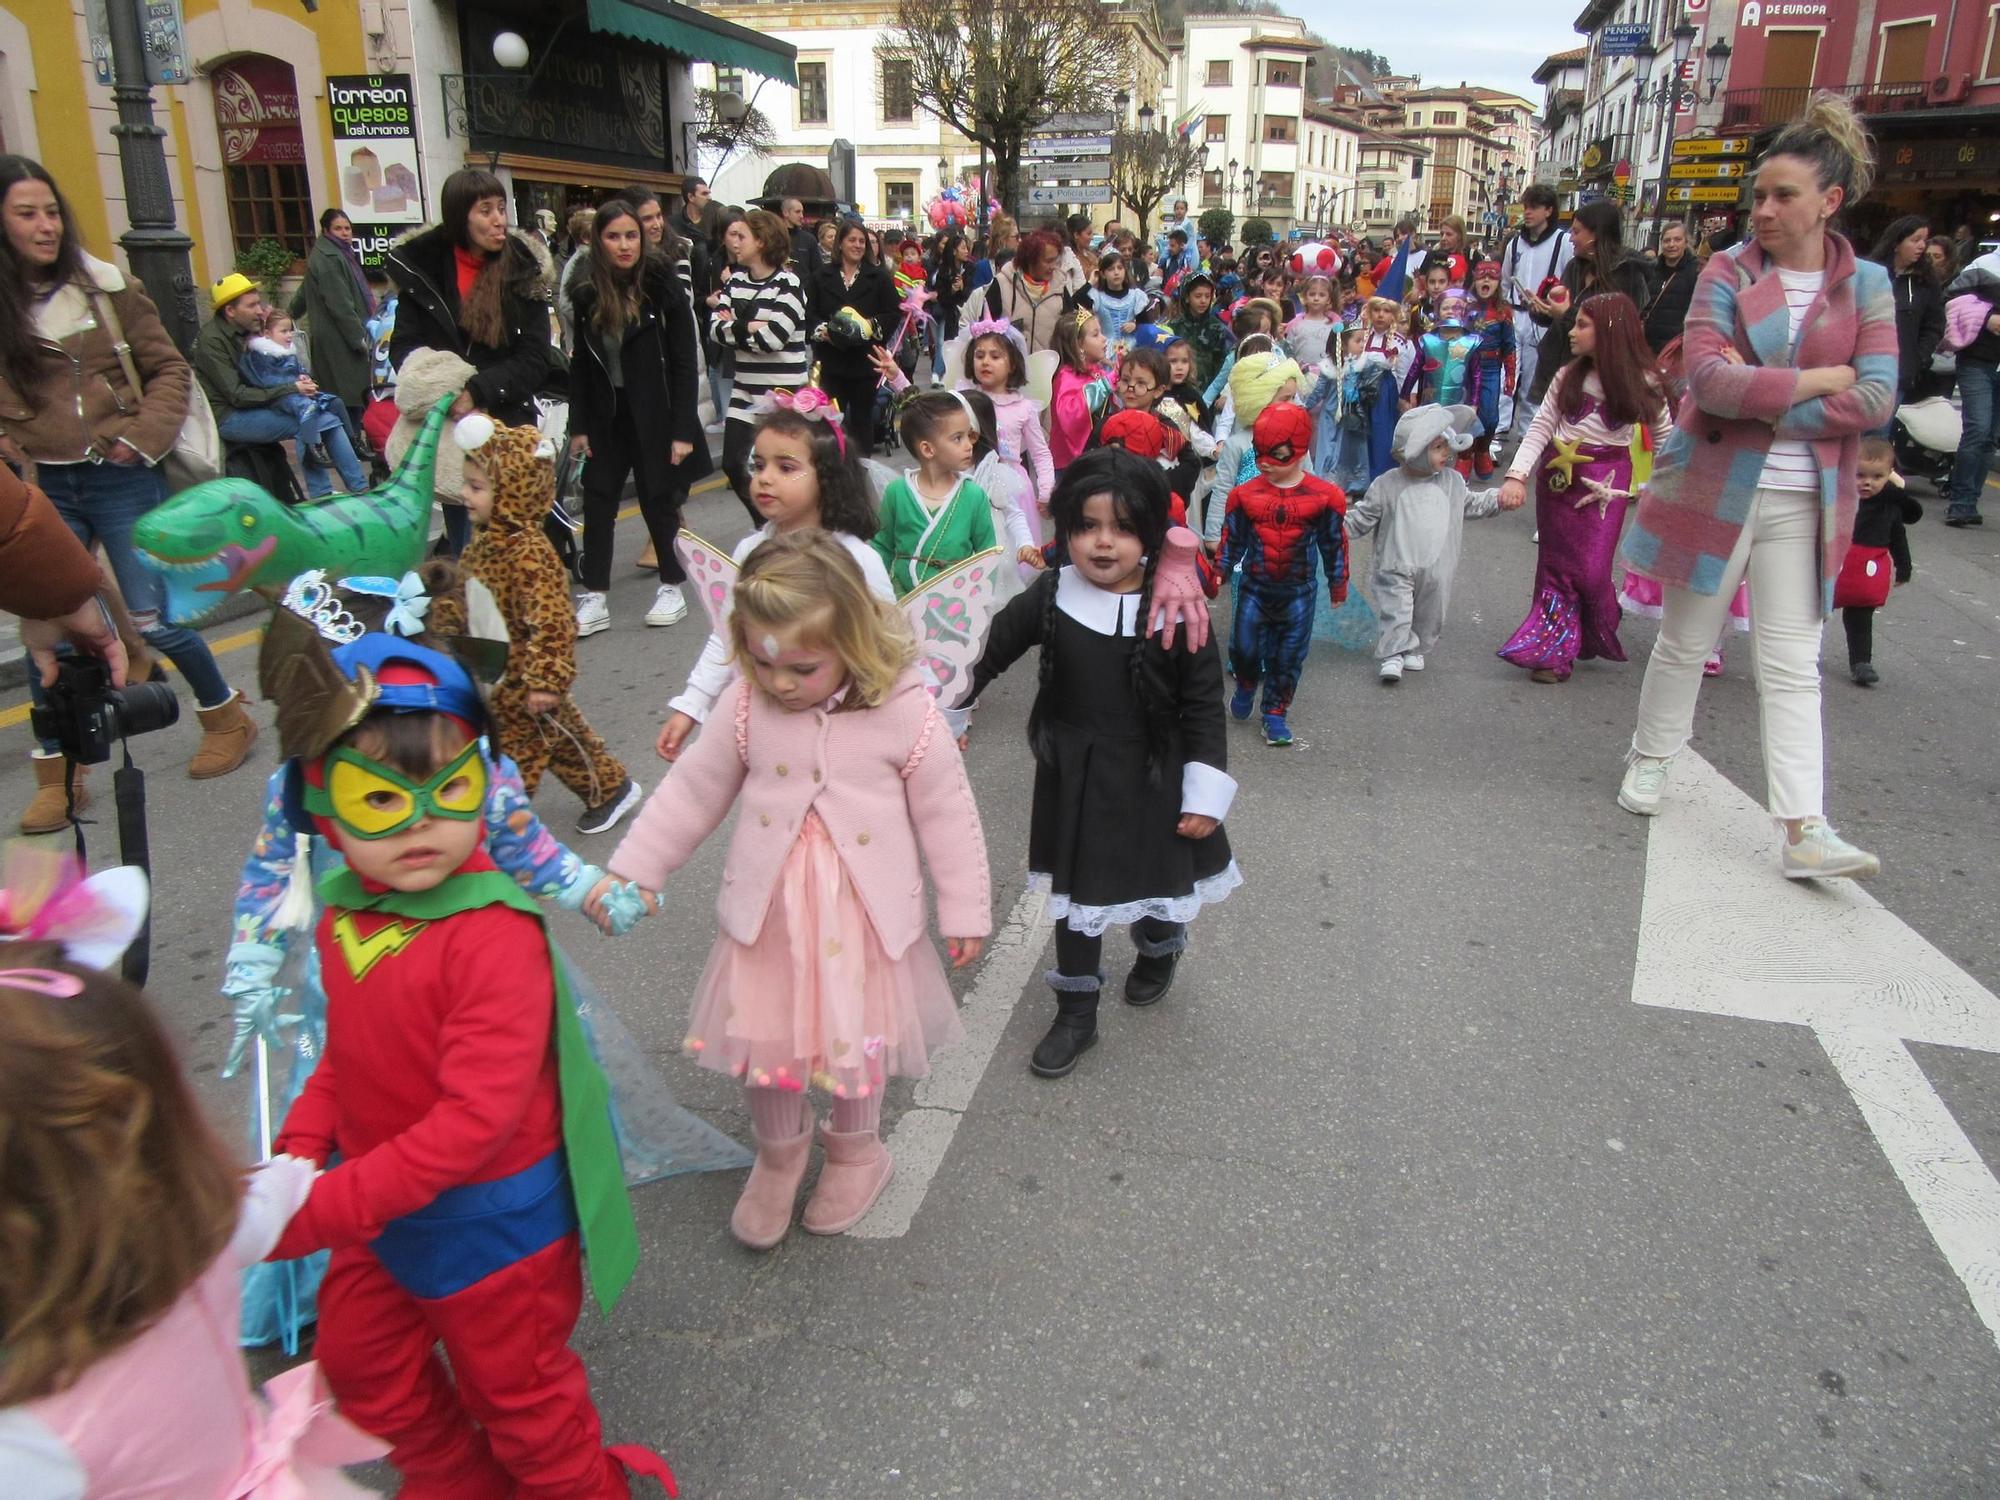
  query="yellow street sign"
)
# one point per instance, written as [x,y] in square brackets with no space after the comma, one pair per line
[1713,145]
[1705,169]
[1684,194]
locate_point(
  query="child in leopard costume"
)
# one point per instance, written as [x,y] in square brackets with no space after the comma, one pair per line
[509,487]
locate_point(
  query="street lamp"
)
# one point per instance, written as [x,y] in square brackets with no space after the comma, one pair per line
[1145,117]
[1249,191]
[1119,101]
[1229,183]
[1666,97]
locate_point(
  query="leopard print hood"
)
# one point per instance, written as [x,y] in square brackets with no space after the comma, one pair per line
[520,463]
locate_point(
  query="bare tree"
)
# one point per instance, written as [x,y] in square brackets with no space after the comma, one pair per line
[727,124]
[1147,165]
[996,70]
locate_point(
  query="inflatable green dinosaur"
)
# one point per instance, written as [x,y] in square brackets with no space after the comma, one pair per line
[227,534]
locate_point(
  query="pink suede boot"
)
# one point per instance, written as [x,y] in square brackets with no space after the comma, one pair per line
[856,1170]
[764,1212]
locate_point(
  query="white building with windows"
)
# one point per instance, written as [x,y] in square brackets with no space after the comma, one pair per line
[1329,160]
[1388,179]
[1245,75]
[848,92]
[1561,147]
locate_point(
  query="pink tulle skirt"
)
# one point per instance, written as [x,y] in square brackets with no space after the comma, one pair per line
[815,1000]
[1642,596]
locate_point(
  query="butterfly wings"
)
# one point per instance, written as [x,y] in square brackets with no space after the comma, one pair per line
[949,615]
[713,574]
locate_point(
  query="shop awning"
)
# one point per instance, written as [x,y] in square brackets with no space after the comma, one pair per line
[692,33]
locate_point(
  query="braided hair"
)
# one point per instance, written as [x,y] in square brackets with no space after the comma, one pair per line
[1138,492]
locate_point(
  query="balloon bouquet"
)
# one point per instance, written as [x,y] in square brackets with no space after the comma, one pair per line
[954,206]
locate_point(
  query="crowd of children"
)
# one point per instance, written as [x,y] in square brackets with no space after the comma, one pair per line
[433,1165]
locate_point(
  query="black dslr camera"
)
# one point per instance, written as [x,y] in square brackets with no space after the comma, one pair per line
[85,713]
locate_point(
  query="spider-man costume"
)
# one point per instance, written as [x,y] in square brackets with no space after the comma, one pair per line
[1272,532]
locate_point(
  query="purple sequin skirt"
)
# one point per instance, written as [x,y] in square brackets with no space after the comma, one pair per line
[1575,613]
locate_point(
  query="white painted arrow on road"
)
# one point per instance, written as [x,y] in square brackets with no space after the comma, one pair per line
[1720,933]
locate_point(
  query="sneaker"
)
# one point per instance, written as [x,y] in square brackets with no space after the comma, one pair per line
[1391,669]
[669,608]
[1240,702]
[1276,731]
[592,613]
[1413,661]
[606,814]
[714,429]
[1482,465]
[1712,667]
[1822,854]
[1644,780]
[1865,674]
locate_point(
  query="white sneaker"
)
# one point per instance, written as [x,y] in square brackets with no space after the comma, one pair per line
[592,614]
[1392,669]
[713,429]
[1645,779]
[1822,854]
[669,608]
[1413,661]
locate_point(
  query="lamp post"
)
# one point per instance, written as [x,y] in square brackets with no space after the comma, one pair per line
[1666,97]
[1249,192]
[1229,183]
[155,246]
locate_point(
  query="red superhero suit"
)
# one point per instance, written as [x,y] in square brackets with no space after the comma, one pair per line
[439,1078]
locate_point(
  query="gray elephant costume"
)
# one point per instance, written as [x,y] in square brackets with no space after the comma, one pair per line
[1418,514]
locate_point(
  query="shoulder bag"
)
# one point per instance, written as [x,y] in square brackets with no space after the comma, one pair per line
[197,452]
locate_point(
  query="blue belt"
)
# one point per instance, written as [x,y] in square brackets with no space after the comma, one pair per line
[467,1233]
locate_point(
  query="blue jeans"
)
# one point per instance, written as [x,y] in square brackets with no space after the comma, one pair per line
[1978,383]
[103,503]
[267,424]
[718,390]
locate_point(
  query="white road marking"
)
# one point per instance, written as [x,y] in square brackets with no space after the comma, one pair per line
[1721,933]
[923,1134]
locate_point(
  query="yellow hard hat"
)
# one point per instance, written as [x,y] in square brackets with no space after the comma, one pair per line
[227,290]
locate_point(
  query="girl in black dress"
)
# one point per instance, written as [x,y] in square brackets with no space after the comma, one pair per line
[1130,787]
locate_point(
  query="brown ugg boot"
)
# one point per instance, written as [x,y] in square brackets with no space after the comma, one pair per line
[763,1214]
[858,1166]
[48,808]
[227,733]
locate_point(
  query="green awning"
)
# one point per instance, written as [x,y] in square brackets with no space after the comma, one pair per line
[693,33]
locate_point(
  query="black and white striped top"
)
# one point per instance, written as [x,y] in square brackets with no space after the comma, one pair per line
[773,354]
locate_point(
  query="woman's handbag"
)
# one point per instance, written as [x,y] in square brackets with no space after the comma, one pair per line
[197,452]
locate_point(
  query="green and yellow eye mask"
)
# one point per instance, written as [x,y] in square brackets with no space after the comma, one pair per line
[370,801]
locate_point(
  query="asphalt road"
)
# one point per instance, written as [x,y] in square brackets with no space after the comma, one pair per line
[1398,1193]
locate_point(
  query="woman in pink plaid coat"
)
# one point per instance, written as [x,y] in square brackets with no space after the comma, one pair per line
[1790,356]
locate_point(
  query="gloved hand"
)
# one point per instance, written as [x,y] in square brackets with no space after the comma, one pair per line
[247,977]
[572,896]
[1177,594]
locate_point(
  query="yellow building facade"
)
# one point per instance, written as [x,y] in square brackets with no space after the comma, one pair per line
[53,108]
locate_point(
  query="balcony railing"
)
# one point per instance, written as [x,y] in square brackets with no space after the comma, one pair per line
[1753,109]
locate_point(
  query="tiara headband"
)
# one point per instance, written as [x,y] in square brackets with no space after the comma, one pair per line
[999,328]
[970,416]
[810,402]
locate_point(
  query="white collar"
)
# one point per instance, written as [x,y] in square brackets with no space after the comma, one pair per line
[1095,608]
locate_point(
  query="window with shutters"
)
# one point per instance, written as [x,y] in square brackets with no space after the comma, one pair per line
[1218,127]
[1218,73]
[1905,46]
[812,93]
[264,156]
[899,91]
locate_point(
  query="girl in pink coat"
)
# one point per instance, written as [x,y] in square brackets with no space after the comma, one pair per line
[823,976]
[118,1290]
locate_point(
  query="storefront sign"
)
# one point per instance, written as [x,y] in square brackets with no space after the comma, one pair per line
[1975,156]
[1712,145]
[1622,41]
[595,100]
[257,110]
[1596,160]
[1758,13]
[374,118]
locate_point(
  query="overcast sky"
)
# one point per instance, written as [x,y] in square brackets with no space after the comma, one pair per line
[1497,43]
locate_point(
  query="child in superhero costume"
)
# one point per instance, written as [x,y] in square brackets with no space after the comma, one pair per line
[464,1129]
[1272,526]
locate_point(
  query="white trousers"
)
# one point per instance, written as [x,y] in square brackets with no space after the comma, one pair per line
[1517,405]
[1779,549]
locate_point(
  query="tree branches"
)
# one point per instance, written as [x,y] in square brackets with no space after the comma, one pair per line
[1147,165]
[995,70]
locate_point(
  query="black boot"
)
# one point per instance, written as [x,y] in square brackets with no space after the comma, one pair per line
[318,456]
[1075,1030]
[1153,971]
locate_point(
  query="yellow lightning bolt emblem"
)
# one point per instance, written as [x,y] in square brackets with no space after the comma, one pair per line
[1562,463]
[364,952]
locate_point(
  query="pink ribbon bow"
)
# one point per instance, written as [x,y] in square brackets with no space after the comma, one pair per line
[913,314]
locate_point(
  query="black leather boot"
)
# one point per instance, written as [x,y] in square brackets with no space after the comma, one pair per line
[1153,971]
[1075,1029]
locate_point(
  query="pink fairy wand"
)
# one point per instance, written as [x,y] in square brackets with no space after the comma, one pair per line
[913,314]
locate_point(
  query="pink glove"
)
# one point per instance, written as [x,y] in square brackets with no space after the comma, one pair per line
[1177,596]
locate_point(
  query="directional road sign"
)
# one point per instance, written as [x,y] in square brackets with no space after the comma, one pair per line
[1728,193]
[1708,169]
[1083,192]
[1085,169]
[1092,123]
[1041,147]
[1712,145]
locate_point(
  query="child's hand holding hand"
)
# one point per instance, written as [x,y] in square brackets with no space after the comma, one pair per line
[965,951]
[617,906]
[1196,826]
[1513,493]
[1032,556]
[540,702]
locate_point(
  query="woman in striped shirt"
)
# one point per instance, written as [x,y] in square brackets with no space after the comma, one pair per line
[760,315]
